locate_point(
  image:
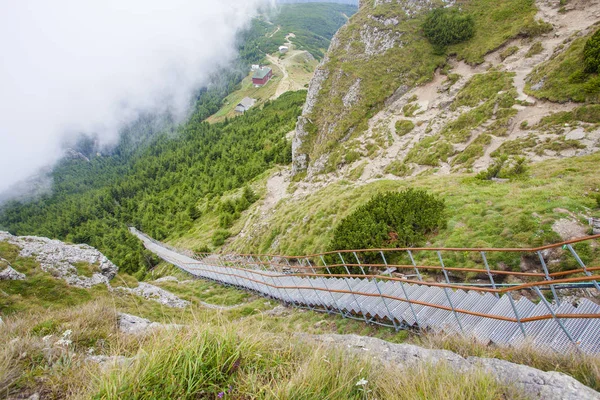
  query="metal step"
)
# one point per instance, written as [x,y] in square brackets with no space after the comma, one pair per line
[547,333]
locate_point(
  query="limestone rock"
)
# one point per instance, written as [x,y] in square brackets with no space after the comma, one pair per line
[576,134]
[133,324]
[8,273]
[157,294]
[534,383]
[59,259]
[167,279]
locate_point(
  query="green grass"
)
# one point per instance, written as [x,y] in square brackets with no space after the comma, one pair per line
[408,65]
[535,49]
[481,214]
[563,79]
[474,151]
[495,23]
[404,127]
[86,269]
[40,290]
[209,363]
[398,168]
[247,89]
[509,51]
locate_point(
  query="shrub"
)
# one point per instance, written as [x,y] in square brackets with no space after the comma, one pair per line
[535,49]
[591,54]
[508,52]
[404,126]
[446,26]
[219,237]
[536,28]
[391,220]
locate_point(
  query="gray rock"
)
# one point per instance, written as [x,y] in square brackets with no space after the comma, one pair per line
[157,294]
[106,362]
[59,259]
[136,325]
[9,274]
[352,95]
[534,383]
[167,279]
[576,134]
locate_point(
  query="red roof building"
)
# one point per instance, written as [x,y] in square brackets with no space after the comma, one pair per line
[261,76]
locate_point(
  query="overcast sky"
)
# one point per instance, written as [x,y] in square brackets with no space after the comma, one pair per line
[92,65]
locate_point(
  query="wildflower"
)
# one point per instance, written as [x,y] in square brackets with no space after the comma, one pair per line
[221,394]
[63,342]
[67,333]
[362,382]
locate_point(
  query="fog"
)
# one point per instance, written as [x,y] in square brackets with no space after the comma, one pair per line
[92,66]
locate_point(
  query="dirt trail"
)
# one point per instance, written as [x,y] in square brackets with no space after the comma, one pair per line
[287,82]
[435,96]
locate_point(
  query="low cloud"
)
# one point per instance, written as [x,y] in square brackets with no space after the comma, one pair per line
[93,66]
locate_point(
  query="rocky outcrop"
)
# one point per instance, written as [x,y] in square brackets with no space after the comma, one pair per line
[61,259]
[535,384]
[9,274]
[151,292]
[137,325]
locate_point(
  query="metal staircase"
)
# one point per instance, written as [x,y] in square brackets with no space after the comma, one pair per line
[490,315]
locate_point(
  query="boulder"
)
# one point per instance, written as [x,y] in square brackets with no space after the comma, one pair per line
[9,274]
[535,384]
[133,324]
[60,259]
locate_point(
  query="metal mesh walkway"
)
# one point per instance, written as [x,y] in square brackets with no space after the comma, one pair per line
[494,314]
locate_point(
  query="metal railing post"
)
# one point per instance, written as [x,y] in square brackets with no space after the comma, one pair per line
[298,288]
[310,281]
[277,285]
[233,273]
[410,305]
[489,272]
[350,289]
[260,265]
[253,285]
[448,294]
[514,307]
[412,260]
[317,292]
[558,321]
[380,294]
[341,312]
[548,278]
[582,265]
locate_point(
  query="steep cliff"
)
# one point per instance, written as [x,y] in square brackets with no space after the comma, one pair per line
[465,106]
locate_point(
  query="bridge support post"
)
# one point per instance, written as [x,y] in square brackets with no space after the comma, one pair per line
[374,280]
[340,311]
[582,265]
[548,278]
[446,291]
[350,289]
[410,305]
[489,272]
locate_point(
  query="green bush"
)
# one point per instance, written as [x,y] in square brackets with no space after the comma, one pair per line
[391,220]
[591,54]
[446,26]
[404,126]
[219,237]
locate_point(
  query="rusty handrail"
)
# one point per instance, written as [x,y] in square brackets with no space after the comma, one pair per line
[452,249]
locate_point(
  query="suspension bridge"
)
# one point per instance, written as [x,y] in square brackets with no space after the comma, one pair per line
[371,285]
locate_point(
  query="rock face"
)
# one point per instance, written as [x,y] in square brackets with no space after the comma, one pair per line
[61,259]
[157,294]
[534,383]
